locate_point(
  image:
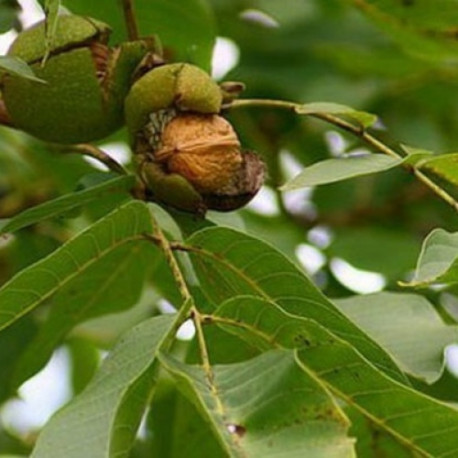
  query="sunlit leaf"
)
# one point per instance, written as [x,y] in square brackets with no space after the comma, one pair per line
[17,67]
[108,286]
[418,423]
[416,155]
[102,421]
[229,263]
[51,8]
[361,117]
[443,165]
[42,280]
[407,326]
[265,407]
[333,170]
[438,260]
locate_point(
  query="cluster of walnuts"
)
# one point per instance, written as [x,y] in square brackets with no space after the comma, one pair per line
[188,156]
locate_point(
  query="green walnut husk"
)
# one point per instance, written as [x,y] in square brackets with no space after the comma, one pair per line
[189,157]
[86,81]
[181,86]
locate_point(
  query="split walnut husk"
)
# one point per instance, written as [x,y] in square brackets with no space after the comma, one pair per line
[205,150]
[83,84]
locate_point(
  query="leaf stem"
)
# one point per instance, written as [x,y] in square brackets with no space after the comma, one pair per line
[161,240]
[365,136]
[189,308]
[197,319]
[130,19]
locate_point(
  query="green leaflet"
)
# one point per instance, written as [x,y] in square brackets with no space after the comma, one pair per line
[266,407]
[102,421]
[37,283]
[418,423]
[229,263]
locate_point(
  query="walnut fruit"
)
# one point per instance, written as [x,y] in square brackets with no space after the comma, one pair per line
[86,81]
[189,156]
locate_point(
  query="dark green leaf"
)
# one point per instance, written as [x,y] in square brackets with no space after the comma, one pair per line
[68,202]
[42,280]
[111,285]
[175,427]
[13,342]
[84,359]
[422,27]
[377,249]
[9,11]
[373,441]
[186,28]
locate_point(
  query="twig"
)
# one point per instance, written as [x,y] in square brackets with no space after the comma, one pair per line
[130,19]
[96,153]
[357,131]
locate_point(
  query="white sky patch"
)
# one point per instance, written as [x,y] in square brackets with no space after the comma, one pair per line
[40,396]
[119,151]
[265,202]
[31,12]
[5,41]
[336,143]
[451,358]
[299,201]
[320,236]
[310,257]
[96,163]
[290,166]
[225,57]
[165,306]
[260,18]
[359,281]
[338,146]
[186,331]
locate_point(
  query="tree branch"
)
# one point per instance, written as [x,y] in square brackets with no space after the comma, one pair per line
[130,19]
[357,131]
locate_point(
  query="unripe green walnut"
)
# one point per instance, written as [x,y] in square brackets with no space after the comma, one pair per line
[189,156]
[86,81]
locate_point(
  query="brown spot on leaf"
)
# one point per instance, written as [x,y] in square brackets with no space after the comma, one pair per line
[239,430]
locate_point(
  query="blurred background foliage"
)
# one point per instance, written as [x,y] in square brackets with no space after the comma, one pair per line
[397,59]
